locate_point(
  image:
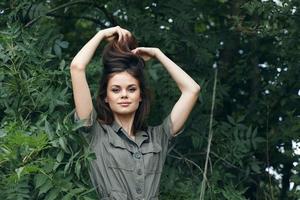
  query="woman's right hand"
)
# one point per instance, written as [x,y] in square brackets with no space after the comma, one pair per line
[110,33]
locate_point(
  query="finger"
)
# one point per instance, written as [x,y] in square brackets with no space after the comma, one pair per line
[128,34]
[125,30]
[125,34]
[134,51]
[110,38]
[120,35]
[116,29]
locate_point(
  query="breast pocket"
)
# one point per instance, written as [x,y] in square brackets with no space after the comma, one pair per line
[115,195]
[152,157]
[120,157]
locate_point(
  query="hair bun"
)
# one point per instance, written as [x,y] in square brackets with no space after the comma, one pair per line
[117,54]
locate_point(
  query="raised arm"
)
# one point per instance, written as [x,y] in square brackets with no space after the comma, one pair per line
[81,91]
[188,87]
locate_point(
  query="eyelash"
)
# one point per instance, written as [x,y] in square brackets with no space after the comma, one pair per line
[132,89]
[115,90]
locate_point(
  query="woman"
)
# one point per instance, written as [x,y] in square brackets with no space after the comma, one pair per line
[129,155]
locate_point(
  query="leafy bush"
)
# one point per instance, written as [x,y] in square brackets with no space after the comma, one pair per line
[253,45]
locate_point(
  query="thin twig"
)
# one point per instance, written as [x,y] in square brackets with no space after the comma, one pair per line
[53,10]
[96,21]
[210,135]
[227,162]
[186,160]
[171,148]
[182,157]
[267,154]
[109,16]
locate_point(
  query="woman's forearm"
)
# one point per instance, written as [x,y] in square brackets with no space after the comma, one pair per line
[83,57]
[182,79]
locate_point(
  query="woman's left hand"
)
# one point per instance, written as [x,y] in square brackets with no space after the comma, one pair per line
[146,52]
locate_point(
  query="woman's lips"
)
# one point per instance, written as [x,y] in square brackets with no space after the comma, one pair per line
[125,104]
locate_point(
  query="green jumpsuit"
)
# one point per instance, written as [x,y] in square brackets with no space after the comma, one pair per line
[126,169]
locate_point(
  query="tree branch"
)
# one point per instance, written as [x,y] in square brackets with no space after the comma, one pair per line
[53,10]
[109,16]
[181,157]
[96,21]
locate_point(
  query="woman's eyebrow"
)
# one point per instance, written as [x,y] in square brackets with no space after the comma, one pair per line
[115,86]
[127,86]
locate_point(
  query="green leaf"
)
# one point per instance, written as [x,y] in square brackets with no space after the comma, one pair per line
[64,44]
[236,134]
[255,167]
[249,133]
[241,118]
[87,198]
[60,156]
[62,64]
[78,168]
[48,130]
[231,120]
[53,194]
[63,144]
[19,171]
[40,179]
[57,50]
[45,187]
[196,141]
[67,196]
[2,133]
[67,168]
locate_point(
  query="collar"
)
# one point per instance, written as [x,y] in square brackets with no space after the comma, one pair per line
[140,136]
[115,126]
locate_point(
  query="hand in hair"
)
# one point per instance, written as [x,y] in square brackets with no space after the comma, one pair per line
[146,52]
[116,32]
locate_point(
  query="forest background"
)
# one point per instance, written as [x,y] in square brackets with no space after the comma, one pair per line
[244,54]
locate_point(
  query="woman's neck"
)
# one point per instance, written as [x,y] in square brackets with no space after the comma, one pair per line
[126,121]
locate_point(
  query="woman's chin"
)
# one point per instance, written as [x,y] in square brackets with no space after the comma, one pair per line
[125,112]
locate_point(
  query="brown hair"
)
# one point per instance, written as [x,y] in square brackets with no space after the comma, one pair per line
[117,57]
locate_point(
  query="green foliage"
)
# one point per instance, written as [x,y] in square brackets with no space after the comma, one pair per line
[254,44]
[42,156]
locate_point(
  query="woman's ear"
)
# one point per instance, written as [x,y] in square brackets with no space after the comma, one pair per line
[106,101]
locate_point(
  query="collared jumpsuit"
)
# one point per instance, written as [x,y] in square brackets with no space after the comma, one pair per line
[126,169]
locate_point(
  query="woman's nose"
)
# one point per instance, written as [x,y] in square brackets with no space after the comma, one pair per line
[124,94]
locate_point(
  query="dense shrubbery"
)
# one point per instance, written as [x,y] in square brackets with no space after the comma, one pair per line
[253,45]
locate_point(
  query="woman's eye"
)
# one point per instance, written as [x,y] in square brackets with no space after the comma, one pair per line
[115,90]
[132,89]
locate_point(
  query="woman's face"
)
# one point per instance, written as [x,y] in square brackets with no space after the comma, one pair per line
[123,94]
